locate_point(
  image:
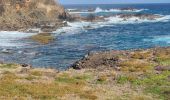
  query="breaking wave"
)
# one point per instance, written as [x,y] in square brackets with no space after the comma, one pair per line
[77,27]
[10,39]
[98,9]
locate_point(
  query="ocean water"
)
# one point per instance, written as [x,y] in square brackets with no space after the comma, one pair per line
[73,42]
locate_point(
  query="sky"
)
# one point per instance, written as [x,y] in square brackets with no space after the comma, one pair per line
[110,1]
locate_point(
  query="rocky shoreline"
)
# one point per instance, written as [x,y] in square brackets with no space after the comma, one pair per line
[140,74]
[116,58]
[49,16]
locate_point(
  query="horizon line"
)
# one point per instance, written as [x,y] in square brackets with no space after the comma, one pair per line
[111,3]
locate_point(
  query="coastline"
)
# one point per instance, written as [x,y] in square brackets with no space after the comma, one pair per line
[137,74]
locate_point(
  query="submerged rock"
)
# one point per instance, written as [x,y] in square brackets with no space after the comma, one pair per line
[43,38]
[128,9]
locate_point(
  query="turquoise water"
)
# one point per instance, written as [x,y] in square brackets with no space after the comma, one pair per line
[72,43]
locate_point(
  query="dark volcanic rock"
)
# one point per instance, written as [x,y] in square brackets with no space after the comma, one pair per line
[97,60]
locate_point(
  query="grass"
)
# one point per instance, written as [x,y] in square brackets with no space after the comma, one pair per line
[141,55]
[8,66]
[164,61]
[135,65]
[36,73]
[157,84]
[78,79]
[43,38]
[102,79]
[9,87]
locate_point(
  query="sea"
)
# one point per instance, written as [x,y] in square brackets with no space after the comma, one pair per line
[74,41]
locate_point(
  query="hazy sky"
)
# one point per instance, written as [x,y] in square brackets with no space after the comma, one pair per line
[110,1]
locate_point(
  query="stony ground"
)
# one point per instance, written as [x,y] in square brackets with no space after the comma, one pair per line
[114,75]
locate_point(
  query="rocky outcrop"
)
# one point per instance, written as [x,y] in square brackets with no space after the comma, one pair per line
[23,14]
[140,60]
[140,16]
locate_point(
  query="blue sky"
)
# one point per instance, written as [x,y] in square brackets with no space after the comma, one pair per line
[110,1]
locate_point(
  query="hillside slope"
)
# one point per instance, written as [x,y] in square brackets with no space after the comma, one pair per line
[23,14]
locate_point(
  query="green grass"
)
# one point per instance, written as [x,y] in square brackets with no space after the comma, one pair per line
[163,61]
[157,84]
[9,87]
[72,79]
[122,79]
[8,66]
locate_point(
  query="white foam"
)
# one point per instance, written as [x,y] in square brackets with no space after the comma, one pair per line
[164,18]
[77,27]
[99,10]
[74,9]
[133,20]
[80,12]
[73,27]
[11,38]
[165,39]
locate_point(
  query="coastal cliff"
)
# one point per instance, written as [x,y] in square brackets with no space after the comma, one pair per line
[24,14]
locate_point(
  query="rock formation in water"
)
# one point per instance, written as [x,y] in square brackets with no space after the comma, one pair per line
[140,16]
[24,14]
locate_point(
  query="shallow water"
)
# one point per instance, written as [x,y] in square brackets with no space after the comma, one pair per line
[73,42]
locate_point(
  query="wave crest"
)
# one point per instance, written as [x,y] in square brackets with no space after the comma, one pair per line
[98,10]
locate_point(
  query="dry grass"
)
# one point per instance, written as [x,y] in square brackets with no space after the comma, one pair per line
[135,66]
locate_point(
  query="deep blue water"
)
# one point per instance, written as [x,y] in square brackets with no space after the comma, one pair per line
[73,45]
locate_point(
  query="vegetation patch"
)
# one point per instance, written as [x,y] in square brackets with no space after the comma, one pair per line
[8,66]
[36,73]
[164,61]
[43,38]
[66,78]
[141,55]
[102,79]
[135,65]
